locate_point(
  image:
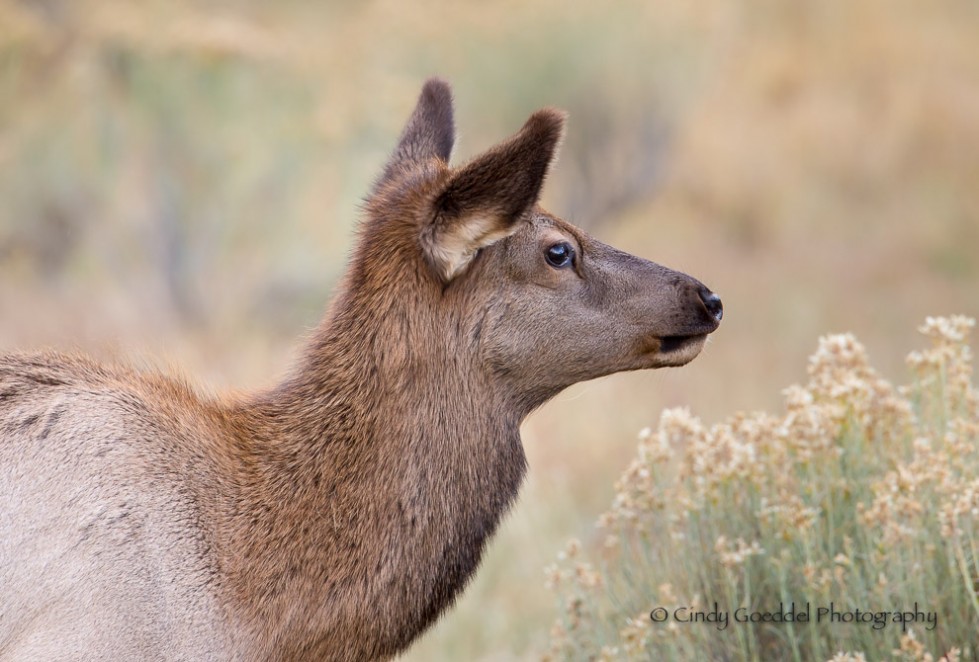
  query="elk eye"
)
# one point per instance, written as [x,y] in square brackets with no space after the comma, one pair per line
[560,255]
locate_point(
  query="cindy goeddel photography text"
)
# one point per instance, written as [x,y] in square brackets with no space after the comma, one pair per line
[803,613]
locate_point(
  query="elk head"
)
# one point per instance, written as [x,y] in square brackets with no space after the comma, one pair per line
[531,300]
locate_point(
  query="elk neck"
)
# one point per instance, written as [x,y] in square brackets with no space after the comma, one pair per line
[387,449]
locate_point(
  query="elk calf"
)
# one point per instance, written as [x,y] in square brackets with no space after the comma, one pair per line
[336,515]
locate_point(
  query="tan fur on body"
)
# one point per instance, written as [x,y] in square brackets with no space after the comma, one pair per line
[338,514]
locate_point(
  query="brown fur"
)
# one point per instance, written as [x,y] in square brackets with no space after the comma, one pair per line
[338,514]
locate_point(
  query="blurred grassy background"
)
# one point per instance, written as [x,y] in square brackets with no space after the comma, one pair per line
[180,180]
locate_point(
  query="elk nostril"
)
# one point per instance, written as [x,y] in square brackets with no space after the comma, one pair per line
[713,303]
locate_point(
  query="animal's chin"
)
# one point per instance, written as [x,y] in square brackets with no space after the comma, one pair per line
[677,350]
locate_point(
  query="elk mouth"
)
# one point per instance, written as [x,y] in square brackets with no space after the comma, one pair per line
[679,350]
[670,344]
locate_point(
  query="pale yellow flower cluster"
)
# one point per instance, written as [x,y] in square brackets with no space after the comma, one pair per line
[734,555]
[577,580]
[860,494]
[945,369]
[912,650]
[633,638]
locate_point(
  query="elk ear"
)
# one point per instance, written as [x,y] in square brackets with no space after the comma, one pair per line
[429,133]
[483,201]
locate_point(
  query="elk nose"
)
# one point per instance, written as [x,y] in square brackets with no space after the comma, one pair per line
[713,303]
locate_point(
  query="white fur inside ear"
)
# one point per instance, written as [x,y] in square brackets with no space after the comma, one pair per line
[451,248]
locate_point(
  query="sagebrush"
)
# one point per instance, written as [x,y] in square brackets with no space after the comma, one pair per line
[861,499]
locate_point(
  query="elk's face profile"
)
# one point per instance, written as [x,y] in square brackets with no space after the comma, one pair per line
[558,307]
